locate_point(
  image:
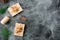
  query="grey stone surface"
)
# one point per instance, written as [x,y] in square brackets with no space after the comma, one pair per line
[43,19]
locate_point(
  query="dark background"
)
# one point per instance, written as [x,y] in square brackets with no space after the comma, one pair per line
[43,19]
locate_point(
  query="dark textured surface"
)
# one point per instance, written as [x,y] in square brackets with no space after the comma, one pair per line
[43,19]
